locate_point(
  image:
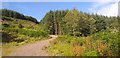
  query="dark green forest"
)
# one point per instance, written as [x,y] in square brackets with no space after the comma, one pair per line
[17,15]
[73,22]
[79,33]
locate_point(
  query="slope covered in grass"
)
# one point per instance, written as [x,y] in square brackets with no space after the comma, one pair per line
[19,23]
[16,32]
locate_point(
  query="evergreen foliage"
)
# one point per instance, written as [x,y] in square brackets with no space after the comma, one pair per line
[17,15]
[73,22]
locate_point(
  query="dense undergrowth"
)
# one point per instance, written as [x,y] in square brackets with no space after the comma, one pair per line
[99,44]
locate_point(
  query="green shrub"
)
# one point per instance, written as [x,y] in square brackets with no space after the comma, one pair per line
[91,53]
[21,43]
[110,39]
[6,18]
[12,44]
[30,33]
[18,40]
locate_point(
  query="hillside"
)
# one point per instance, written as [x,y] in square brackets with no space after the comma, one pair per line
[19,23]
[17,15]
[12,26]
[78,33]
[17,32]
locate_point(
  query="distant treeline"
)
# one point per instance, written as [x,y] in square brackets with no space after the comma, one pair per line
[17,15]
[77,23]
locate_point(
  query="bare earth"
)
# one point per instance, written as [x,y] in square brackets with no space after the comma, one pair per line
[35,49]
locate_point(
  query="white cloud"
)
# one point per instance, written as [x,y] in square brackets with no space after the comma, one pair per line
[109,10]
[105,8]
[97,5]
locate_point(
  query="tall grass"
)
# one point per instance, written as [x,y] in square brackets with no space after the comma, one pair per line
[99,44]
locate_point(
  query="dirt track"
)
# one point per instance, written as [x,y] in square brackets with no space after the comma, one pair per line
[35,49]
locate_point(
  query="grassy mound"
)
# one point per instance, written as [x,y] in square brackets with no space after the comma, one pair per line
[16,32]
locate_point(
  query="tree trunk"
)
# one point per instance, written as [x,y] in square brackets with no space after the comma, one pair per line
[55,24]
[60,29]
[55,28]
